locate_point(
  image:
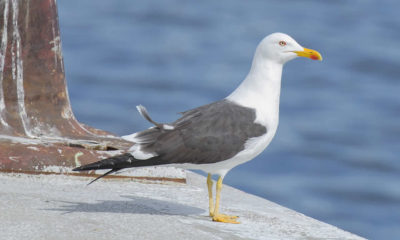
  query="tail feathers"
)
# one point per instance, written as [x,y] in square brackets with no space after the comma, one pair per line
[143,111]
[105,174]
[117,163]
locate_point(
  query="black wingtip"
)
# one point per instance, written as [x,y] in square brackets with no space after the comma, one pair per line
[105,174]
[77,169]
[86,167]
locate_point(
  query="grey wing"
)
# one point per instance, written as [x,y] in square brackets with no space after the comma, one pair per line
[208,134]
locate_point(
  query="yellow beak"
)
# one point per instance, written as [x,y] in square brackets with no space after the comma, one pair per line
[309,53]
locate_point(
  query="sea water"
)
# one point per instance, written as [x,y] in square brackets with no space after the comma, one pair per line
[336,155]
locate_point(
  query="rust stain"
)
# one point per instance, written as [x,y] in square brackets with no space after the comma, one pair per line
[37,125]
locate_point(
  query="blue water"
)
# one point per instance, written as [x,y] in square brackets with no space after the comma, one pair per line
[336,155]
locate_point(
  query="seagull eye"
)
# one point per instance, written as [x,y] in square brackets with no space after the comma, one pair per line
[282,43]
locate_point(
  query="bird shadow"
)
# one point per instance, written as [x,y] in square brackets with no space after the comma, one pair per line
[135,205]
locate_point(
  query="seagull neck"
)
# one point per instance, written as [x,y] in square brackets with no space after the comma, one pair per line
[261,88]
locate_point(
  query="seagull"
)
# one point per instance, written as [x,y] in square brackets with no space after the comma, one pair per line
[218,136]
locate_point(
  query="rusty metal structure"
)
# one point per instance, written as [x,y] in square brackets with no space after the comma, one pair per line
[38,130]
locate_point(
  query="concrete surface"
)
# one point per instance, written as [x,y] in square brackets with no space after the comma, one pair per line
[63,207]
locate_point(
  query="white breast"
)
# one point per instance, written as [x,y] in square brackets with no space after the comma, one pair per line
[260,91]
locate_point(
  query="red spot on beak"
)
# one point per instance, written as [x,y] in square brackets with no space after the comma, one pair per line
[313,57]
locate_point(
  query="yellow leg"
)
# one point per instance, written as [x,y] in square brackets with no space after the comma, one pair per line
[210,197]
[218,217]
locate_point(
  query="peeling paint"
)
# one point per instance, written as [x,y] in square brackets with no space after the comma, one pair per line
[20,140]
[56,42]
[38,129]
[87,131]
[57,47]
[43,131]
[66,113]
[33,148]
[14,159]
[18,70]
[3,51]
[77,162]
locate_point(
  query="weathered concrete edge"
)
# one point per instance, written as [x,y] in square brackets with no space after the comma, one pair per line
[197,180]
[170,207]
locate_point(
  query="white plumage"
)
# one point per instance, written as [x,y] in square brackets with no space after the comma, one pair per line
[219,136]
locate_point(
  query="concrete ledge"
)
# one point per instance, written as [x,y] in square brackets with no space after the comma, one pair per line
[63,207]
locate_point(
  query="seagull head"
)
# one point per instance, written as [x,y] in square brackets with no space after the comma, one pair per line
[281,48]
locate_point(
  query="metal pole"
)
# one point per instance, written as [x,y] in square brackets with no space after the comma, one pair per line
[37,127]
